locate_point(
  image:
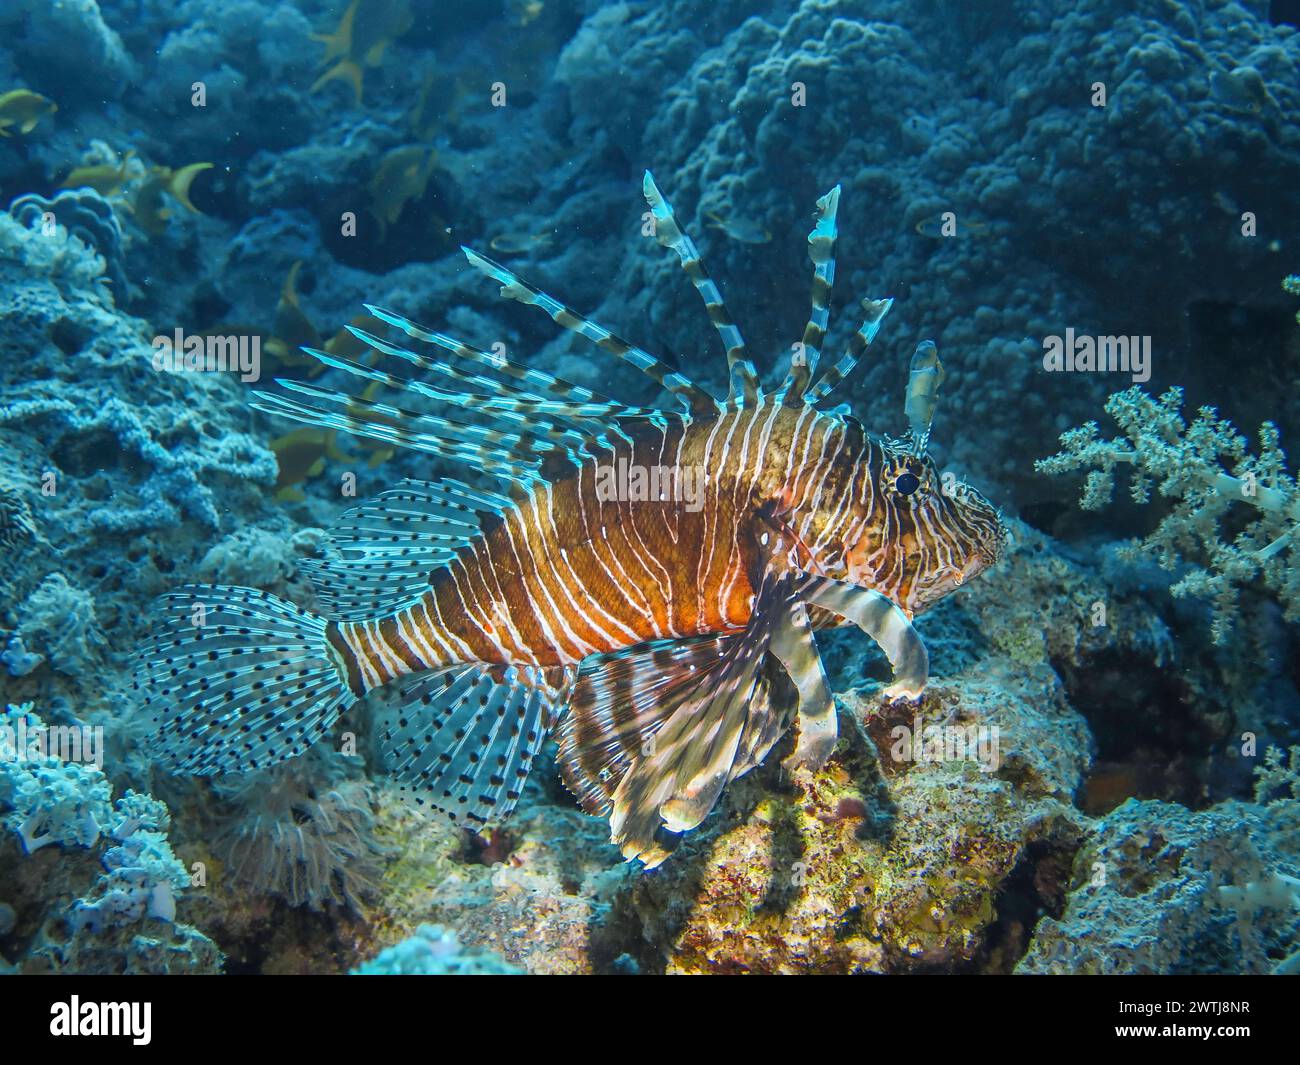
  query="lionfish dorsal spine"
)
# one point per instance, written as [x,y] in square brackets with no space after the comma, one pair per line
[821,249]
[694,399]
[743,384]
[858,344]
[924,378]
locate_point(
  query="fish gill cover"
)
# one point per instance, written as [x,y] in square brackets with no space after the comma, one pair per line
[920,594]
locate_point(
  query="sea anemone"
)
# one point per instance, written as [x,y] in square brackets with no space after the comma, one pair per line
[302,832]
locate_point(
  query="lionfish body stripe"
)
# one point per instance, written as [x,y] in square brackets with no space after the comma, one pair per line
[649,581]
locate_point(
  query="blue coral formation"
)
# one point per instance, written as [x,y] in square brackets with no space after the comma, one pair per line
[116,913]
[433,951]
[1015,173]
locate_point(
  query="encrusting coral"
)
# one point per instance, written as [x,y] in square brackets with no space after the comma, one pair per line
[1205,468]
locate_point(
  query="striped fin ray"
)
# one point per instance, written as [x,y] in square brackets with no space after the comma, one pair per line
[881,619]
[465,739]
[741,375]
[694,399]
[519,415]
[234,679]
[388,546]
[566,399]
[821,249]
[924,378]
[794,647]
[858,343]
[619,701]
[586,414]
[510,457]
[723,727]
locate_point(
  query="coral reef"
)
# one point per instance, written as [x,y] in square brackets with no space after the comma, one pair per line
[63,916]
[1206,469]
[433,951]
[248,170]
[896,858]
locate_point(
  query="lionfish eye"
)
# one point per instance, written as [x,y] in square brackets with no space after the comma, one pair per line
[907,483]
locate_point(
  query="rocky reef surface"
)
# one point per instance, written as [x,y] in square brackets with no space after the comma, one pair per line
[1098,795]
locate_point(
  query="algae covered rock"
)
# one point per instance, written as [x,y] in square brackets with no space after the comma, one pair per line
[907,852]
[1148,893]
[539,893]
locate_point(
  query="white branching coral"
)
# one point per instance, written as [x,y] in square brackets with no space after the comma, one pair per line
[1208,472]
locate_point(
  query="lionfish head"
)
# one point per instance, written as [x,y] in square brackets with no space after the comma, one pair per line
[931,535]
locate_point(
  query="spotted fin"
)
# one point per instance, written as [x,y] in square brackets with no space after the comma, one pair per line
[234,679]
[466,738]
[384,550]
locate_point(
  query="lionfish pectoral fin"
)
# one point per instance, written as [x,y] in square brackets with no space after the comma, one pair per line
[882,620]
[794,647]
[384,550]
[620,701]
[674,786]
[657,731]
[464,739]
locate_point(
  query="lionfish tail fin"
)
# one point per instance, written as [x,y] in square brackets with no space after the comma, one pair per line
[235,679]
[821,249]
[743,379]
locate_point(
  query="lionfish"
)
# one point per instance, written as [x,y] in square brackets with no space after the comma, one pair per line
[668,646]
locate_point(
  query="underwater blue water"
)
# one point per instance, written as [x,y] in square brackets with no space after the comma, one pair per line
[231,269]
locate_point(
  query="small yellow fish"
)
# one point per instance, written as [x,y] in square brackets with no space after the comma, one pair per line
[1242,89]
[518,243]
[524,11]
[739,229]
[108,179]
[302,454]
[948,224]
[150,204]
[365,30]
[403,175]
[345,344]
[23,108]
[292,326]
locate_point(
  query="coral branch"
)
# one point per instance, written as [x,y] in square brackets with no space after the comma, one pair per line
[1205,468]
